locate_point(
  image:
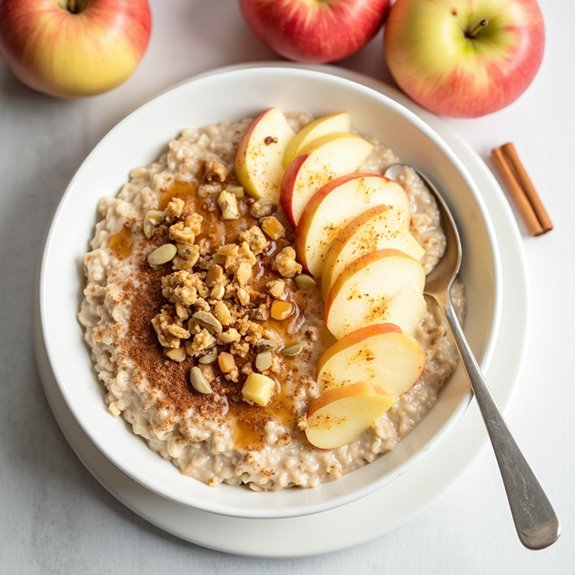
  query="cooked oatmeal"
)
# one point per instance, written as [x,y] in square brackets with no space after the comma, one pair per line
[193,289]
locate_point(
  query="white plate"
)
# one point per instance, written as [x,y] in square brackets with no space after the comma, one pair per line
[402,500]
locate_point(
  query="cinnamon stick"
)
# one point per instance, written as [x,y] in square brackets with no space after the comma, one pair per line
[522,190]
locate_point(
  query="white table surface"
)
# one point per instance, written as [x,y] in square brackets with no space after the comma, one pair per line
[55,518]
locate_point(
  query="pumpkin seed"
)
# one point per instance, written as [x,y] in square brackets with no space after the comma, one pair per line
[208,321]
[292,349]
[152,220]
[305,282]
[263,360]
[266,344]
[209,357]
[199,381]
[162,255]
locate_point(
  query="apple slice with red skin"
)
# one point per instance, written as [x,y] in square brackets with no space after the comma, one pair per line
[258,161]
[338,122]
[374,229]
[338,202]
[339,416]
[379,353]
[324,159]
[384,286]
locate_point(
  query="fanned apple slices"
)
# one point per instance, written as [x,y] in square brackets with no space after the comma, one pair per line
[352,230]
[371,290]
[338,202]
[321,161]
[258,161]
[361,376]
[338,122]
[374,229]
[339,416]
[379,353]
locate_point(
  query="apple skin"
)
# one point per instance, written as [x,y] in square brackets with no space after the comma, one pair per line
[314,31]
[435,63]
[65,54]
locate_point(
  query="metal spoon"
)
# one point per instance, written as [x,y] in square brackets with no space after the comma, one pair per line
[534,518]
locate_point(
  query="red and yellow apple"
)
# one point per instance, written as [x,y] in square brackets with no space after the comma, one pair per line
[335,204]
[258,161]
[314,30]
[384,286]
[378,353]
[377,228]
[464,59]
[339,416]
[72,48]
[321,161]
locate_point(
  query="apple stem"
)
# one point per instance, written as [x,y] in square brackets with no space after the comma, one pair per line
[477,28]
[72,6]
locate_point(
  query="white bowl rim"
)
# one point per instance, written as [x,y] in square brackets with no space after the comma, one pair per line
[265,68]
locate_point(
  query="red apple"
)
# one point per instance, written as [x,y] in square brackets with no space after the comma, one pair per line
[464,59]
[71,48]
[314,30]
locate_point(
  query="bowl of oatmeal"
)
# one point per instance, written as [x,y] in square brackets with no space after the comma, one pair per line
[187,288]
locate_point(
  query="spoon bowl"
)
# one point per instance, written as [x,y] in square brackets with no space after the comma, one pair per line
[535,520]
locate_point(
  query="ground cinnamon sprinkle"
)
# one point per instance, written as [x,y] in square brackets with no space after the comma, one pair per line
[169,379]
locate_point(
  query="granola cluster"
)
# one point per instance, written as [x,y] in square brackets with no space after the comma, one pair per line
[226,305]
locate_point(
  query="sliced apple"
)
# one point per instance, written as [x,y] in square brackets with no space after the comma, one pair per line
[384,286]
[375,229]
[258,161]
[379,353]
[338,202]
[339,416]
[324,159]
[339,122]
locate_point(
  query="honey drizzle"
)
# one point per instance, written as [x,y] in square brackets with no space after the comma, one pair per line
[121,242]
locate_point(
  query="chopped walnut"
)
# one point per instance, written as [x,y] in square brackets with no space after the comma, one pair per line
[202,341]
[216,171]
[229,336]
[228,204]
[243,273]
[185,232]
[277,288]
[222,313]
[187,257]
[243,296]
[174,209]
[215,276]
[207,190]
[262,208]
[256,239]
[240,348]
[285,263]
[178,287]
[168,331]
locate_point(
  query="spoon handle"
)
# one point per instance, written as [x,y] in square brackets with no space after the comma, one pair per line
[535,520]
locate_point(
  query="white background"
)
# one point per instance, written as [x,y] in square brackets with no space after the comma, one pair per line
[55,518]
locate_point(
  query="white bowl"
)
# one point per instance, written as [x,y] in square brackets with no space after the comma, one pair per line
[138,139]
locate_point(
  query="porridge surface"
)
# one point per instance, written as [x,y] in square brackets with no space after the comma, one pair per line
[145,333]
